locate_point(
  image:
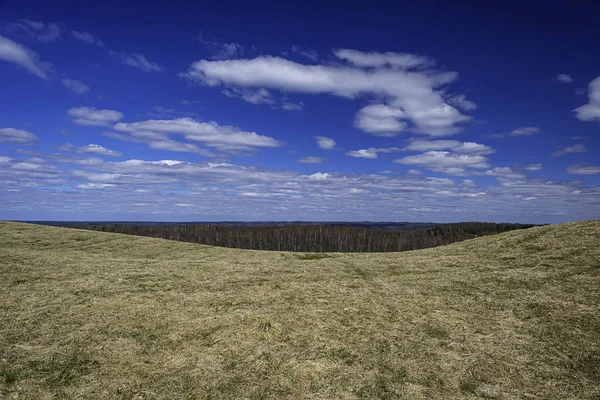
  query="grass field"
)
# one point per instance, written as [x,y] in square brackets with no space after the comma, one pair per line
[98,315]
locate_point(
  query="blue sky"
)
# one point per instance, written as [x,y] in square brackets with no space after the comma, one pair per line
[305,111]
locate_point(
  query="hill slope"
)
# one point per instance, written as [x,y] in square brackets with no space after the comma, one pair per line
[98,315]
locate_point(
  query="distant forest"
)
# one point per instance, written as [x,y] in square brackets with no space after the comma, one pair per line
[311,237]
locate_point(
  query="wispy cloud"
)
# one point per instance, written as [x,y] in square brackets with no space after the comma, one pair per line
[583,169]
[88,38]
[310,54]
[37,30]
[17,54]
[75,86]
[137,60]
[454,145]
[221,50]
[311,160]
[94,117]
[533,167]
[578,148]
[447,162]
[563,78]
[223,138]
[522,131]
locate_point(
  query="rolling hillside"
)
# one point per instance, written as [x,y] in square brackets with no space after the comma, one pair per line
[99,315]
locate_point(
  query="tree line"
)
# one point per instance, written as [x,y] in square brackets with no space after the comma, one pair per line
[313,238]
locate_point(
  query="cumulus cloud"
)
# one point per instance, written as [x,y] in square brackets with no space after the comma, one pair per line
[380,120]
[578,148]
[583,169]
[22,56]
[94,117]
[563,78]
[417,94]
[137,60]
[371,152]
[591,110]
[97,149]
[311,160]
[75,86]
[154,189]
[37,30]
[88,38]
[211,134]
[446,162]
[16,136]
[325,143]
[319,176]
[454,145]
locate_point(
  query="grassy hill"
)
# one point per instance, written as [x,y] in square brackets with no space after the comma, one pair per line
[98,315]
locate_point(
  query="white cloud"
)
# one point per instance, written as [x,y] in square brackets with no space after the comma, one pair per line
[319,176]
[211,134]
[591,110]
[88,38]
[310,54]
[17,136]
[371,152]
[221,50]
[563,78]
[380,120]
[388,59]
[153,189]
[581,91]
[525,131]
[461,102]
[533,167]
[583,169]
[37,30]
[418,94]
[22,56]
[522,131]
[325,143]
[258,96]
[292,106]
[75,86]
[446,162]
[97,149]
[311,160]
[454,145]
[95,185]
[503,173]
[94,117]
[138,61]
[578,148]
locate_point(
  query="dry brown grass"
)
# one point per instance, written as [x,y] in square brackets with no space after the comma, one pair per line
[97,315]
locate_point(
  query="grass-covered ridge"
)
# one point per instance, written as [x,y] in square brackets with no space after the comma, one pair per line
[98,315]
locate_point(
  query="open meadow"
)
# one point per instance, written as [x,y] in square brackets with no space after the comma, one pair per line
[102,315]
